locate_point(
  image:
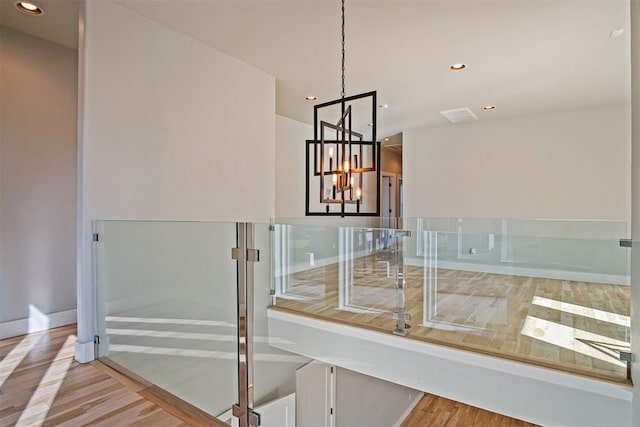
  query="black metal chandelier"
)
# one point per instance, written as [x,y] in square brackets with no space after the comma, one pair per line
[343,158]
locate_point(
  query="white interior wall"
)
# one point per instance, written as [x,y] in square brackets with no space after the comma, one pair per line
[569,165]
[290,168]
[38,105]
[328,395]
[391,161]
[170,129]
[363,400]
[635,196]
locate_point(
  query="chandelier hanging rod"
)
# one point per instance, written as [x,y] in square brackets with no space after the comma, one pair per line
[343,93]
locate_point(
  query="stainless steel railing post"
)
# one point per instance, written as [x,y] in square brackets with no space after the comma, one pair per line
[245,255]
[402,327]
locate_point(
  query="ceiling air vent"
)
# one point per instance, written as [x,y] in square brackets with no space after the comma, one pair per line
[459,115]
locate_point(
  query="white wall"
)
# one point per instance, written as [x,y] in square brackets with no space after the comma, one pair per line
[171,129]
[329,395]
[572,165]
[38,107]
[290,168]
[635,195]
[391,161]
[366,401]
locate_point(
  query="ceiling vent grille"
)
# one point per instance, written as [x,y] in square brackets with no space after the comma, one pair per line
[459,115]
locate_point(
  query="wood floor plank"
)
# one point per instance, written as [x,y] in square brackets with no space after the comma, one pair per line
[435,411]
[44,386]
[95,395]
[493,314]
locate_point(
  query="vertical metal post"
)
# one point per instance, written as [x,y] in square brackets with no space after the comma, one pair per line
[245,256]
[402,327]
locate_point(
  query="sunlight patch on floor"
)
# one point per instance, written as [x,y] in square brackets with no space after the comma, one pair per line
[12,360]
[179,335]
[571,338]
[207,354]
[186,335]
[195,322]
[41,400]
[581,310]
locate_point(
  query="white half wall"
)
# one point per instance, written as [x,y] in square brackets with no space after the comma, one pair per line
[530,393]
[569,165]
[635,213]
[170,129]
[38,110]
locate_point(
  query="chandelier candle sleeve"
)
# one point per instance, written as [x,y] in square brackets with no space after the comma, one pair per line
[331,160]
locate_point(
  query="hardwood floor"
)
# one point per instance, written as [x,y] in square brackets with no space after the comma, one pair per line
[574,326]
[434,411]
[41,384]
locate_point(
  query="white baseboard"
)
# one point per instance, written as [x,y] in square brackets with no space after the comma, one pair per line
[575,276]
[322,262]
[37,322]
[409,410]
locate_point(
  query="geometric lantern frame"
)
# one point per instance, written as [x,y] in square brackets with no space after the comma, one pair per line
[338,189]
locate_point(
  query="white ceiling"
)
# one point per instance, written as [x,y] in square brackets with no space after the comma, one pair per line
[59,23]
[525,56]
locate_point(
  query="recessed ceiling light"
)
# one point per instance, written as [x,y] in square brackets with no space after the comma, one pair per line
[370,124]
[29,8]
[457,67]
[383,106]
[489,107]
[386,140]
[311,98]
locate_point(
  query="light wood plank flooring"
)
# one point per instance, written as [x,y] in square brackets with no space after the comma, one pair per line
[434,411]
[569,325]
[41,384]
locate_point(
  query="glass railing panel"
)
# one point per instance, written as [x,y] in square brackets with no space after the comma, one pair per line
[167,307]
[347,273]
[553,293]
[274,370]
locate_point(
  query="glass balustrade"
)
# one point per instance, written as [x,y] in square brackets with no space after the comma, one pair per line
[549,293]
[552,293]
[166,298]
[167,304]
[328,271]
[274,370]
